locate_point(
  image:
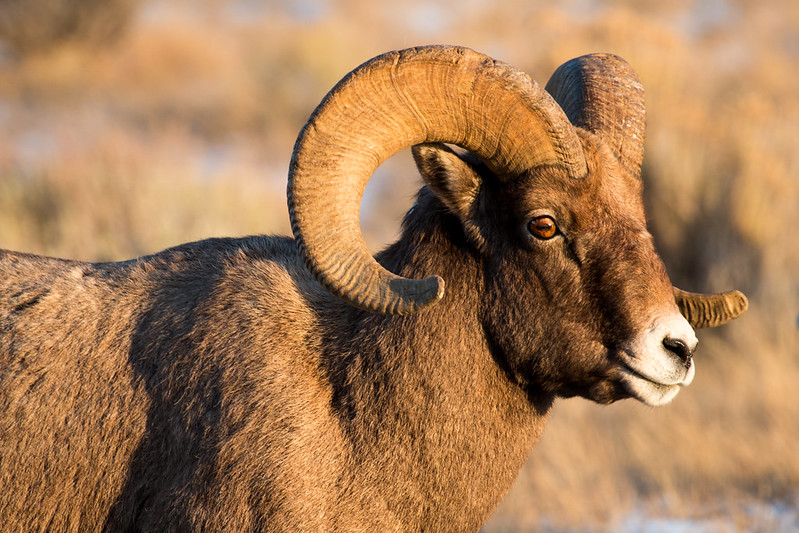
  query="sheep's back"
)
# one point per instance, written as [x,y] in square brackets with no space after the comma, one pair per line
[133,392]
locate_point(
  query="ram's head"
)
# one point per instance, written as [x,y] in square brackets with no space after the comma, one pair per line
[547,192]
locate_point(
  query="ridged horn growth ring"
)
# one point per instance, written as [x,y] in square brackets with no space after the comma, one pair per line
[710,310]
[396,100]
[602,94]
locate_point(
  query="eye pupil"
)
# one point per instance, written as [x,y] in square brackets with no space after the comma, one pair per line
[543,227]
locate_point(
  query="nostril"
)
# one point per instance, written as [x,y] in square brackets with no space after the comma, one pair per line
[679,348]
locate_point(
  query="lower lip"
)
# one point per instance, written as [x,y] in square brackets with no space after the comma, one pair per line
[640,376]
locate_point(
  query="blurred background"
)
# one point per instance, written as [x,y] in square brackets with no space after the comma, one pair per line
[127,126]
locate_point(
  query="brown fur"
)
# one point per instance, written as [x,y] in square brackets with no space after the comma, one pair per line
[217,387]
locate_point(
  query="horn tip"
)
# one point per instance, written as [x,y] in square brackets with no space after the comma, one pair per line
[416,295]
[432,293]
[439,281]
[741,301]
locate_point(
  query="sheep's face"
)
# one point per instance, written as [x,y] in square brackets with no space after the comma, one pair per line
[577,300]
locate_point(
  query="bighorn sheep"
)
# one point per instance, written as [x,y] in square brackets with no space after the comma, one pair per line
[223,385]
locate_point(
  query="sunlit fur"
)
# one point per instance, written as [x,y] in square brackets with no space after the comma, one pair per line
[217,387]
[557,311]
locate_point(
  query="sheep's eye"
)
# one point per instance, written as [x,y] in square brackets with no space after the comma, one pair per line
[543,227]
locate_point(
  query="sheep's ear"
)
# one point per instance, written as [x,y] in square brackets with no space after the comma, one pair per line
[451,176]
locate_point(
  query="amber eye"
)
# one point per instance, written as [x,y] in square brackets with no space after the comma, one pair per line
[543,227]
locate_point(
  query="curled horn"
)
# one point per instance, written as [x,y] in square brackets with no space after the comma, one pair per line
[399,99]
[710,310]
[602,94]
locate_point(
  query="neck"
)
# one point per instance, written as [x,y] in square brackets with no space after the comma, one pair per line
[427,404]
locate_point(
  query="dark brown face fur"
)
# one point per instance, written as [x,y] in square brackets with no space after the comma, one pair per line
[558,310]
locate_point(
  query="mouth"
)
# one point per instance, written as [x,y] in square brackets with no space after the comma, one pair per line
[655,363]
[654,391]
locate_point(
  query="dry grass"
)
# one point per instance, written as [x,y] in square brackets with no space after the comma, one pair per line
[182,129]
[32,26]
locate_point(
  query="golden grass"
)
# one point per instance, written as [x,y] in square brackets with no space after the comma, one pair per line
[114,196]
[183,130]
